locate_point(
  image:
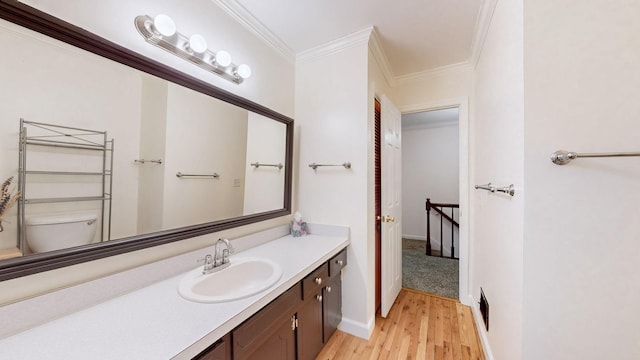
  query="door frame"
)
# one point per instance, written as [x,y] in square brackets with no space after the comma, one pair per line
[462,103]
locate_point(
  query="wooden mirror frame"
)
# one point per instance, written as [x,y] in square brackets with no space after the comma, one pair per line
[36,20]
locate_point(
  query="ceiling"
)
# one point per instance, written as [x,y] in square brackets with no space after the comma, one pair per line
[416,36]
[429,119]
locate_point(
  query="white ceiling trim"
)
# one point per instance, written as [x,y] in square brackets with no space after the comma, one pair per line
[393,80]
[381,57]
[245,18]
[335,46]
[433,73]
[487,8]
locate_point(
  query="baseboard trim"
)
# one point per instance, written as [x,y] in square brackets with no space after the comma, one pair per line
[414,237]
[357,328]
[484,337]
[435,245]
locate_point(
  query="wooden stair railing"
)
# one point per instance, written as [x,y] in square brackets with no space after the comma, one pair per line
[438,208]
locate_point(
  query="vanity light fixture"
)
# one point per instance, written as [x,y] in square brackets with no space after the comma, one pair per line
[222,58]
[164,25]
[161,31]
[243,71]
[197,43]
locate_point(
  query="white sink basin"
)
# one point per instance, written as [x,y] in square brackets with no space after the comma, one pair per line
[244,277]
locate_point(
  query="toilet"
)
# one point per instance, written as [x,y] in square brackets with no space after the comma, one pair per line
[48,233]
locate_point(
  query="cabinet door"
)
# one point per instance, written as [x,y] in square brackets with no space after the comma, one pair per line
[310,327]
[220,350]
[332,302]
[249,338]
[280,345]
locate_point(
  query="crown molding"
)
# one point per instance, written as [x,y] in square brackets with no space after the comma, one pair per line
[246,19]
[433,73]
[483,21]
[381,57]
[485,15]
[346,42]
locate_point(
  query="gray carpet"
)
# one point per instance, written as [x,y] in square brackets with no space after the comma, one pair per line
[430,274]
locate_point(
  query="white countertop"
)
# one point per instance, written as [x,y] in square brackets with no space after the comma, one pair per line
[155,322]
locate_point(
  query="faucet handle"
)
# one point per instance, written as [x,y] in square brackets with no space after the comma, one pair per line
[225,256]
[206,260]
[208,263]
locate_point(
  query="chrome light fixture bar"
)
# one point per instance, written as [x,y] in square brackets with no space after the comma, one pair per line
[161,32]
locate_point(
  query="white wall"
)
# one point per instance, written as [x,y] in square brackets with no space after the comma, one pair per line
[581,249]
[115,22]
[497,148]
[153,134]
[266,144]
[421,93]
[206,136]
[72,77]
[429,170]
[332,128]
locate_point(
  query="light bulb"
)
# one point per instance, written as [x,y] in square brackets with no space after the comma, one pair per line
[197,43]
[223,58]
[243,71]
[164,25]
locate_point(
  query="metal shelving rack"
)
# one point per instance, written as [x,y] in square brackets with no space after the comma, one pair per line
[57,136]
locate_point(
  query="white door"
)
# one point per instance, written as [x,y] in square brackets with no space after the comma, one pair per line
[391,205]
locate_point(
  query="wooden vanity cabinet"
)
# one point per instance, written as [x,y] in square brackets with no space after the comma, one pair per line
[296,325]
[220,350]
[332,296]
[280,344]
[331,307]
[271,332]
[310,315]
[321,309]
[337,263]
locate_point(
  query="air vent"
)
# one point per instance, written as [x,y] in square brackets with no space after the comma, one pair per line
[484,309]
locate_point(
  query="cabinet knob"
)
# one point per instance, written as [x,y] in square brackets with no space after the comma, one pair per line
[319,297]
[328,289]
[340,262]
[318,280]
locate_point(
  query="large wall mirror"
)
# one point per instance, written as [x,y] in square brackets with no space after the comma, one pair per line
[135,152]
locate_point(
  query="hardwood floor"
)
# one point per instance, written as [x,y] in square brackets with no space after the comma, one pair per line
[419,326]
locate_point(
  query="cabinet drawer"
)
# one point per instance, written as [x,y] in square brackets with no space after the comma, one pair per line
[257,328]
[337,263]
[315,281]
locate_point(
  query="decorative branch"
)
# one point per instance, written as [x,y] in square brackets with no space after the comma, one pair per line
[8,198]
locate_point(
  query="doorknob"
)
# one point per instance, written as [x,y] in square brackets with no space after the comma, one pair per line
[386,218]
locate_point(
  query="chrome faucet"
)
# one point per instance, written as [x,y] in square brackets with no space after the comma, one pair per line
[220,258]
